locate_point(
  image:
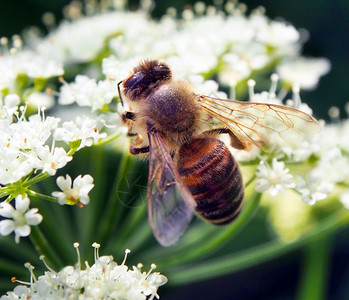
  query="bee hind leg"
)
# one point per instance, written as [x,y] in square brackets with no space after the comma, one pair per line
[136,148]
[139,150]
[234,140]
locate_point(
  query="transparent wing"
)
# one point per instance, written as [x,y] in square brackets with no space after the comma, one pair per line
[260,124]
[170,203]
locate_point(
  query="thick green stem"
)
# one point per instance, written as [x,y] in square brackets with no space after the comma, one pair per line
[316,261]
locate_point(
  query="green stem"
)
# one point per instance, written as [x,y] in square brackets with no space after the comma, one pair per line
[109,139]
[4,191]
[71,152]
[42,196]
[250,180]
[256,255]
[315,269]
[36,179]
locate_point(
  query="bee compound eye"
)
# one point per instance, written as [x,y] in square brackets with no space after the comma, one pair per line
[133,80]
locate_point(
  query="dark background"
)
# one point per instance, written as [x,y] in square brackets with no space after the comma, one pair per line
[328,24]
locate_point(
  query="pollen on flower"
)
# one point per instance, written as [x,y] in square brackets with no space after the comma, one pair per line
[49,91]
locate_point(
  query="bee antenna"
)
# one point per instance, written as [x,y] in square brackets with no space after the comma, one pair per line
[120,95]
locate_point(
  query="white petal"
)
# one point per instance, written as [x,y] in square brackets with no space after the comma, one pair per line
[23,230]
[64,183]
[60,196]
[12,100]
[20,290]
[6,210]
[6,227]
[22,203]
[32,217]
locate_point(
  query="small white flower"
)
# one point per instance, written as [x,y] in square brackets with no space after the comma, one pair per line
[78,91]
[41,67]
[304,72]
[32,133]
[87,92]
[76,193]
[13,165]
[332,166]
[50,161]
[275,178]
[84,129]
[22,218]
[313,189]
[274,33]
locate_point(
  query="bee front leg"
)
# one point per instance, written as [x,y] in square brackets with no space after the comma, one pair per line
[234,140]
[128,117]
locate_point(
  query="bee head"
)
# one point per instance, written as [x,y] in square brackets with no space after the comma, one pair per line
[145,77]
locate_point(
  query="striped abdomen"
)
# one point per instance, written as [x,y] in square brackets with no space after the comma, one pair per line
[214,179]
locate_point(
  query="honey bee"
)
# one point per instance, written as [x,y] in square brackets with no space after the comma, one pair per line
[190,169]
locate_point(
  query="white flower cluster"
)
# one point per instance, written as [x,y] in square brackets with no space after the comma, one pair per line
[328,151]
[23,142]
[18,62]
[105,279]
[23,145]
[24,152]
[234,46]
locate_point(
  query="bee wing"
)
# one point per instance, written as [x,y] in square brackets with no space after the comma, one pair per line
[259,123]
[170,203]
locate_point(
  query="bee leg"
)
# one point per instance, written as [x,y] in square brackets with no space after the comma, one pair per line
[139,150]
[136,148]
[129,133]
[234,140]
[128,115]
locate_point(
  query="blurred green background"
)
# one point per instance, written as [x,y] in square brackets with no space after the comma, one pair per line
[328,24]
